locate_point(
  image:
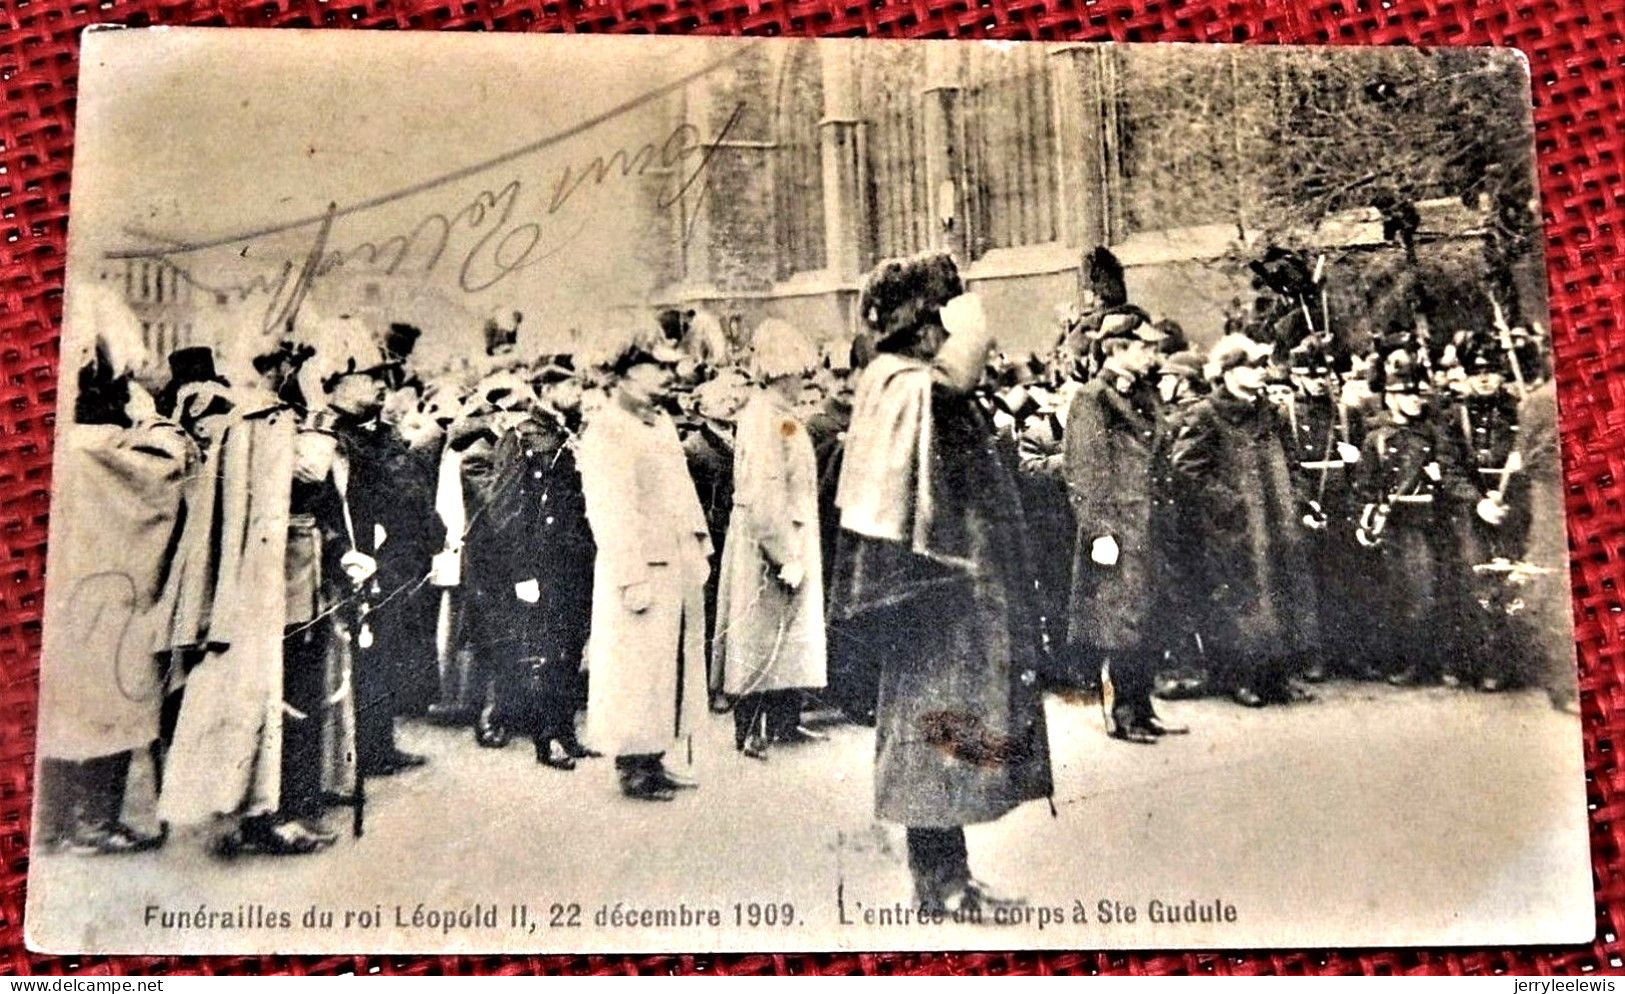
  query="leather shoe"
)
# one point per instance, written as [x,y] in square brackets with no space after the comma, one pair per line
[1156,726]
[802,733]
[1133,733]
[974,897]
[646,788]
[318,830]
[551,752]
[578,751]
[753,747]
[673,781]
[407,760]
[1247,697]
[110,840]
[491,736]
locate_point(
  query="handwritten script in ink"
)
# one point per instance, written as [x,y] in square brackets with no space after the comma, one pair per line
[503,229]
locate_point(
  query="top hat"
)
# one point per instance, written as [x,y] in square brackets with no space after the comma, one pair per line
[400,340]
[500,340]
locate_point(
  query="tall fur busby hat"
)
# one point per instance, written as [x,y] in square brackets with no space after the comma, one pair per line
[1105,273]
[1285,272]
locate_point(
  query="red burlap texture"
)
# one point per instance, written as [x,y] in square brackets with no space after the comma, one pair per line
[1576,49]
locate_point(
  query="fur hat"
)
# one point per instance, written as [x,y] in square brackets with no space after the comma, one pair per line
[899,295]
[1105,273]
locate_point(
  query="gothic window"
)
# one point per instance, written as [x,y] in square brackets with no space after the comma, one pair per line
[899,212]
[800,166]
[1012,169]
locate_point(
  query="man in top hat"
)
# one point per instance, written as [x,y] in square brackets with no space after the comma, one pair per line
[187,366]
[647,683]
[247,746]
[1231,458]
[1116,473]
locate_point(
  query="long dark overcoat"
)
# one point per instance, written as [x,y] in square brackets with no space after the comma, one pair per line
[1115,446]
[960,736]
[1231,455]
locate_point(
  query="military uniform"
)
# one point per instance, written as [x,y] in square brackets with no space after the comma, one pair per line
[1410,486]
[1320,434]
[536,533]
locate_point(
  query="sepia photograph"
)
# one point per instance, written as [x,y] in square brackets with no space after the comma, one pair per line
[657,494]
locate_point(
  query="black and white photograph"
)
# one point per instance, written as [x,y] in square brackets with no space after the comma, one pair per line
[656,494]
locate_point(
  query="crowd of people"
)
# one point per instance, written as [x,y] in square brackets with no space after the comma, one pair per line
[912,528]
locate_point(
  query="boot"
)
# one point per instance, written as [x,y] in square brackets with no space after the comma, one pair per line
[552,752]
[489,732]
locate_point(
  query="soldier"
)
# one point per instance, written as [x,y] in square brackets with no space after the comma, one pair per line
[647,685]
[770,642]
[534,550]
[1407,484]
[1482,421]
[1116,454]
[386,518]
[499,404]
[1180,584]
[1104,295]
[1230,456]
[1324,450]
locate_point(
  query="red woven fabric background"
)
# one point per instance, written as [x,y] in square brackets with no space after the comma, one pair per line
[1576,49]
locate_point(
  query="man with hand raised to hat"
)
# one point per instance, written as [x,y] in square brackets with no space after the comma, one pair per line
[1231,458]
[1115,464]
[245,751]
[937,577]
[646,659]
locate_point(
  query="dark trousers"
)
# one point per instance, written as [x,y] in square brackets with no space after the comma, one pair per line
[938,861]
[1132,676]
[78,794]
[538,698]
[772,713]
[304,662]
[375,693]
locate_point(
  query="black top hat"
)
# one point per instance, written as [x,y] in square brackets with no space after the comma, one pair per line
[499,339]
[400,340]
[193,364]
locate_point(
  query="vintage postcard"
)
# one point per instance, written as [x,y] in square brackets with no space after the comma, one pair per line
[574,494]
